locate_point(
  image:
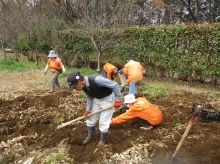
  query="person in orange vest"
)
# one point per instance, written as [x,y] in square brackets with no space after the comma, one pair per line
[146,113]
[110,72]
[133,71]
[56,66]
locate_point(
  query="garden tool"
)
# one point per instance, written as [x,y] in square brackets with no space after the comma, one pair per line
[82,117]
[199,107]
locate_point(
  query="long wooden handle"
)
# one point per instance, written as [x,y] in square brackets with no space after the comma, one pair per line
[199,107]
[82,117]
[182,139]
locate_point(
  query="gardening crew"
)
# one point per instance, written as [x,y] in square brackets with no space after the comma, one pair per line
[101,93]
[133,72]
[56,66]
[141,109]
[110,72]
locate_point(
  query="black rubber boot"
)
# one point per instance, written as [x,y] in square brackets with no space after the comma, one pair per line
[90,135]
[145,125]
[103,140]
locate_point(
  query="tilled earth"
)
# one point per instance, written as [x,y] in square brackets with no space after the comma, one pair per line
[29,116]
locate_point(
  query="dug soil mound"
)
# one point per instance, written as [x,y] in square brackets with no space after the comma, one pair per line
[28,128]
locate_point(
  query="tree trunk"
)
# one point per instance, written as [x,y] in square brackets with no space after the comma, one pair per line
[37,57]
[98,64]
[3,50]
[167,12]
[17,56]
[28,57]
[187,5]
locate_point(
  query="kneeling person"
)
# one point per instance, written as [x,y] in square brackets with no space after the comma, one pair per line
[149,114]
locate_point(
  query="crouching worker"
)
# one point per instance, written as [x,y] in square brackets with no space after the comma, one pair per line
[101,93]
[110,72]
[147,114]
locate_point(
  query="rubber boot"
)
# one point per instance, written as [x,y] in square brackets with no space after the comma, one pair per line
[89,138]
[145,125]
[103,140]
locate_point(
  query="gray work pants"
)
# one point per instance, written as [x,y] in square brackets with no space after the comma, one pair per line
[54,81]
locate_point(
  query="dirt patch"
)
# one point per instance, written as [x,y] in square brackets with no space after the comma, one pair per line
[33,114]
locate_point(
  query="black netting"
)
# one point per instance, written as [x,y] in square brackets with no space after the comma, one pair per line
[208,113]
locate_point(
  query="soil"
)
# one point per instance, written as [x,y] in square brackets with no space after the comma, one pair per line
[29,111]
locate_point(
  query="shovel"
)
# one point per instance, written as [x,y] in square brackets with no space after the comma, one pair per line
[82,117]
[198,108]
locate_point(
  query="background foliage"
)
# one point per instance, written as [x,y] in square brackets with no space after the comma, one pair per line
[171,38]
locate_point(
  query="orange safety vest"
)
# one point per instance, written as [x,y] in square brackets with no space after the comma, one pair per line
[110,69]
[143,109]
[55,65]
[133,71]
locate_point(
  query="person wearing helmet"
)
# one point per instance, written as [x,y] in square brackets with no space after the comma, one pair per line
[146,113]
[56,66]
[110,72]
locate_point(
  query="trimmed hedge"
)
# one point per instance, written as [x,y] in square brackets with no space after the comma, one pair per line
[188,52]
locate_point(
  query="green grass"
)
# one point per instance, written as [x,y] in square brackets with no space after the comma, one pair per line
[6,138]
[82,95]
[59,158]
[213,94]
[14,66]
[84,71]
[156,91]
[177,126]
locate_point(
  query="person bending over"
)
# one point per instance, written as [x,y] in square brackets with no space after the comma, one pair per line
[147,113]
[101,93]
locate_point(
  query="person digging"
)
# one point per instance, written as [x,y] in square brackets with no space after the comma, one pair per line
[110,72]
[133,74]
[101,93]
[142,110]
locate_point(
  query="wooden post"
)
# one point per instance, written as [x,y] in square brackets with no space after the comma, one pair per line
[3,50]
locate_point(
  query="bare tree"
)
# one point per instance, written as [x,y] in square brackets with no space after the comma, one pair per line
[202,10]
[167,6]
[96,17]
[149,12]
[19,17]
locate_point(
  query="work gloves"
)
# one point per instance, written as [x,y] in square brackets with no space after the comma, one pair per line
[86,113]
[117,104]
